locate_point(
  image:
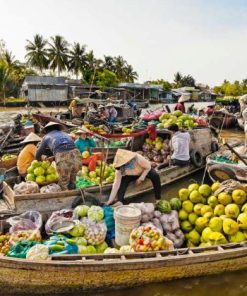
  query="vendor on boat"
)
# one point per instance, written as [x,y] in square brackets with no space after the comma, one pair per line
[67,157]
[131,166]
[27,154]
[180,104]
[210,110]
[84,141]
[243,109]
[111,113]
[101,112]
[180,146]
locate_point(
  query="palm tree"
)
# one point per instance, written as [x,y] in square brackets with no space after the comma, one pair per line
[130,74]
[10,59]
[5,75]
[178,79]
[108,63]
[77,58]
[58,54]
[119,66]
[37,55]
[188,80]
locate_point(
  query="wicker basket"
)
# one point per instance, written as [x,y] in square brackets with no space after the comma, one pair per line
[8,164]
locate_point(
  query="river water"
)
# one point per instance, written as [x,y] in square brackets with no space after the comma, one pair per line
[227,284]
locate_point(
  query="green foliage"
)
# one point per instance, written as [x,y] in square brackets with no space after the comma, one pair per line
[232,89]
[107,78]
[166,85]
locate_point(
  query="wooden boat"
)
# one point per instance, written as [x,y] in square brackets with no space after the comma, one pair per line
[221,171]
[78,273]
[201,140]
[44,119]
[220,119]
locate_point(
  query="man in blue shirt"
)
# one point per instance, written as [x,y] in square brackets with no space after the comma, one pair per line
[67,157]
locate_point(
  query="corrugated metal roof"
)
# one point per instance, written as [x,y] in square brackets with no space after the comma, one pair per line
[44,80]
[139,85]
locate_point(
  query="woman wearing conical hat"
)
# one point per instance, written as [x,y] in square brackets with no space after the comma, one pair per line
[27,154]
[131,166]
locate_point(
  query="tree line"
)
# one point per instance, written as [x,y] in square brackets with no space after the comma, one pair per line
[56,56]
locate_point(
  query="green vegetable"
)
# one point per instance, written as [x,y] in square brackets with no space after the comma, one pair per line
[175,203]
[164,206]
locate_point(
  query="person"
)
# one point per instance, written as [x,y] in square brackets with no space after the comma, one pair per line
[180,143]
[67,157]
[180,104]
[101,112]
[210,110]
[131,166]
[111,113]
[84,142]
[243,109]
[27,154]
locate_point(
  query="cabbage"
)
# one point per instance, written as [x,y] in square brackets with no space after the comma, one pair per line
[126,249]
[101,247]
[81,241]
[38,252]
[78,230]
[95,213]
[81,211]
[111,251]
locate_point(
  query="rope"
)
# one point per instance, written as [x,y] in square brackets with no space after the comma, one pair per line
[119,136]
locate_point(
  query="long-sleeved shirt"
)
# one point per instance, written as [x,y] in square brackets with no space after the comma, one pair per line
[25,158]
[56,141]
[112,112]
[85,144]
[181,146]
[139,166]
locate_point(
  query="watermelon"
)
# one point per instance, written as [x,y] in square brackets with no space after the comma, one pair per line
[164,206]
[175,203]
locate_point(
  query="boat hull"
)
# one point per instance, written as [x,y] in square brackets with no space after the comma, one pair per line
[101,273]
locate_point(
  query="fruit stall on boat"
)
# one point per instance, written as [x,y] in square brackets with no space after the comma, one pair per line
[223,164]
[200,232]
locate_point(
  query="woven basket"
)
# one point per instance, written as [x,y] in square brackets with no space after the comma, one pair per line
[8,164]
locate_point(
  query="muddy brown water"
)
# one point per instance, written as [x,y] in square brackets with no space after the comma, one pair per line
[227,284]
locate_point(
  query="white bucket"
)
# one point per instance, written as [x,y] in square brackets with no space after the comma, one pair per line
[126,219]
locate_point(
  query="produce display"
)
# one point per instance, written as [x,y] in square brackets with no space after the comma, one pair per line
[4,243]
[212,215]
[26,188]
[42,172]
[149,238]
[101,129]
[93,178]
[156,151]
[8,157]
[182,120]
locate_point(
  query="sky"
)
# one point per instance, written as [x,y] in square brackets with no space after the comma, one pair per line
[205,39]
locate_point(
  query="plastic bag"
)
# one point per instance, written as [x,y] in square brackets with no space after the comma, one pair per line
[110,222]
[60,245]
[38,252]
[31,235]
[19,250]
[26,188]
[57,218]
[95,233]
[30,220]
[51,188]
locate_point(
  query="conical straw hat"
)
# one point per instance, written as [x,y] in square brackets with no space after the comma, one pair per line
[122,157]
[51,123]
[82,130]
[32,137]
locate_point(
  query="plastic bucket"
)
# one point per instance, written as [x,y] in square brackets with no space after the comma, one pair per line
[126,219]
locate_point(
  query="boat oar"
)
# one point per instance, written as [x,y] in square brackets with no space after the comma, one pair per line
[235,152]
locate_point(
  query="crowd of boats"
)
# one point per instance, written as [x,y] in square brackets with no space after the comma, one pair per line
[62,273]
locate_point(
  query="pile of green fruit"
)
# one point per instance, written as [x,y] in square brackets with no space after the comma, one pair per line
[177,117]
[211,218]
[94,176]
[42,172]
[8,157]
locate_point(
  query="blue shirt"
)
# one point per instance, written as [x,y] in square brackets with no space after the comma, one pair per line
[85,144]
[56,141]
